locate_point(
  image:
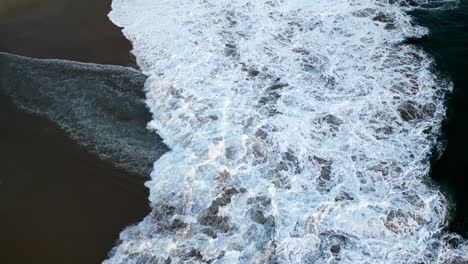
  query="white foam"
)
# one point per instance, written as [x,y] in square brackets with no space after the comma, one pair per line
[300,133]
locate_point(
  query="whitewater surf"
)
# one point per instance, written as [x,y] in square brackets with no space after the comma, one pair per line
[300,132]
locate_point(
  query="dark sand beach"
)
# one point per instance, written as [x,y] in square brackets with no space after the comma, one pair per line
[59,203]
[63,29]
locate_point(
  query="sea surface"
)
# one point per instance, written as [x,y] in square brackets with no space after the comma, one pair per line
[300,132]
[448,44]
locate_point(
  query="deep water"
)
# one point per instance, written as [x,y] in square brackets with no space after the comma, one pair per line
[448,44]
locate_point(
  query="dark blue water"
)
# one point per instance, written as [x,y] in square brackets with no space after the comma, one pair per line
[448,44]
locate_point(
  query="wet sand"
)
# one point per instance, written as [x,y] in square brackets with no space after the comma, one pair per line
[58,202]
[76,30]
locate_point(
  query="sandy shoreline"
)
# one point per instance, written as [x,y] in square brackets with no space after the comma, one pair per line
[59,203]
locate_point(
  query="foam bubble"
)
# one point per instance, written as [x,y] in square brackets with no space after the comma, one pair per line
[300,132]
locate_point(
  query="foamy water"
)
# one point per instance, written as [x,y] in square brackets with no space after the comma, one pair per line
[301,132]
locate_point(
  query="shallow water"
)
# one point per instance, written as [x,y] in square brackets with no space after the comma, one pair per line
[101,107]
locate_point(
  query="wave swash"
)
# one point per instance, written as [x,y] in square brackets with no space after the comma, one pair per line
[101,107]
[300,132]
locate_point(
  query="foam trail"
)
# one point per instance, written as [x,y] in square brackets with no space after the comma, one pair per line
[100,106]
[301,132]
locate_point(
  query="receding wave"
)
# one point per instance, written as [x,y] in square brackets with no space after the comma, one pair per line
[101,107]
[301,132]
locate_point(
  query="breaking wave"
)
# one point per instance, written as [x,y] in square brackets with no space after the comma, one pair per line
[301,132]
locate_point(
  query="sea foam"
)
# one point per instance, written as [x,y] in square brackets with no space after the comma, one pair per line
[300,132]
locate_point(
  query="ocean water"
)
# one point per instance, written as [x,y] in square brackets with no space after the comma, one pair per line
[447,43]
[300,132]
